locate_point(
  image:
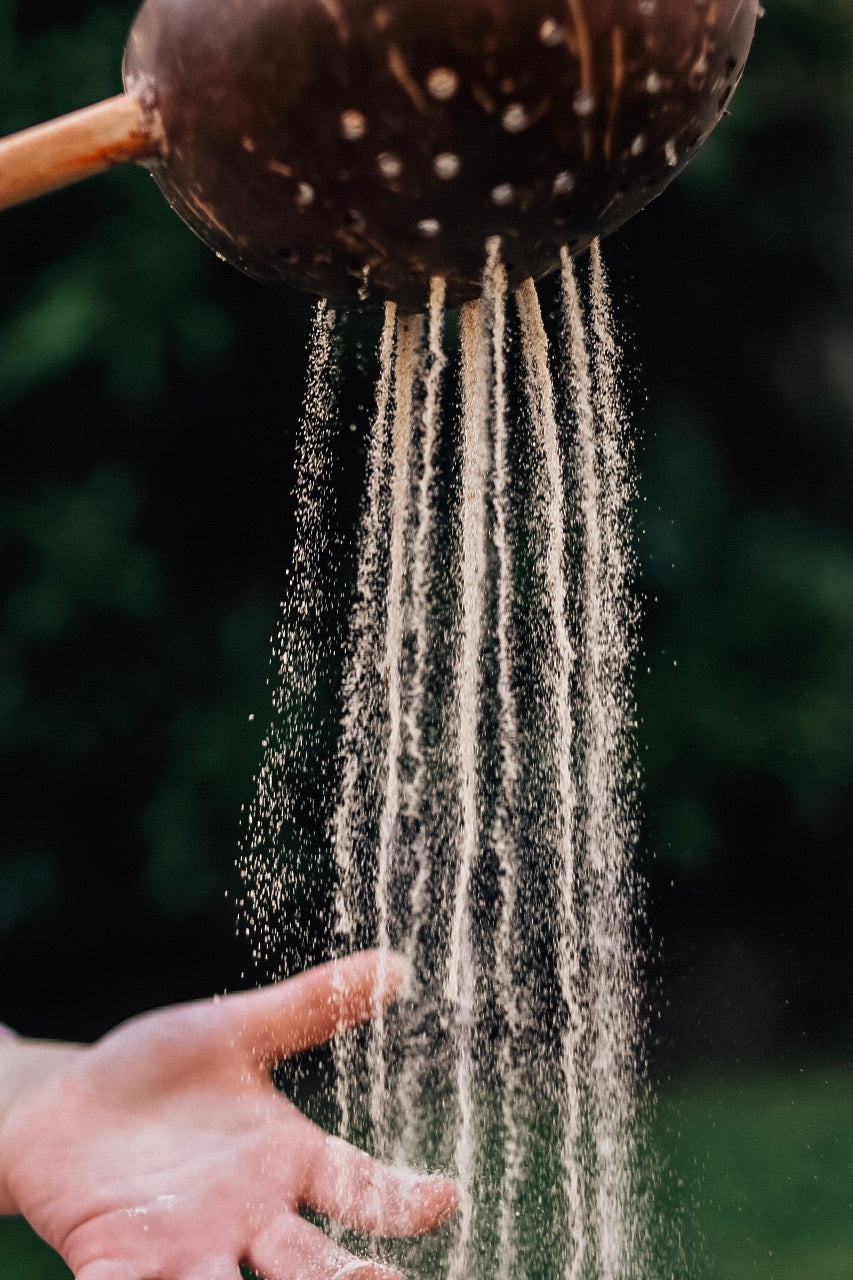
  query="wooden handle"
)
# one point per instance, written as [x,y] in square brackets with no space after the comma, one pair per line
[76,146]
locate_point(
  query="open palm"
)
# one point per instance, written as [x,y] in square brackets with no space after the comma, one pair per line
[163,1152]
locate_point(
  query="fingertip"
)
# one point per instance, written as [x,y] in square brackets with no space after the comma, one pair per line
[451,1200]
[388,974]
[361,1193]
[427,1202]
[439,1198]
[394,975]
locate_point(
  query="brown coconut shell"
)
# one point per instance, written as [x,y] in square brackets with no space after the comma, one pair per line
[355,148]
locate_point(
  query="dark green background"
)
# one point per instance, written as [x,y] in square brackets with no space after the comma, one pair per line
[148,397]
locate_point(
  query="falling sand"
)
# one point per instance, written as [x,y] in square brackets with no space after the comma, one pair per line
[483,820]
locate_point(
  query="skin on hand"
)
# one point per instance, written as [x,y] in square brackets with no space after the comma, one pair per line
[164,1152]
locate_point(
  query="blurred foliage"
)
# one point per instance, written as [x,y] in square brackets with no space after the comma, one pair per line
[745,338]
[767,1163]
[148,397]
[747,519]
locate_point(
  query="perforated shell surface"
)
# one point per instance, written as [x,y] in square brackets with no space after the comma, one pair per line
[355,148]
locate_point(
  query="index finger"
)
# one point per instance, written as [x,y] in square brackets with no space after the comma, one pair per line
[301,1012]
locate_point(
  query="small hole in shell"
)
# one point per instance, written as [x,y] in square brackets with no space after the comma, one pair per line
[353,125]
[442,83]
[389,164]
[429,228]
[304,194]
[654,83]
[515,117]
[564,183]
[447,165]
[503,193]
[551,32]
[583,103]
[638,146]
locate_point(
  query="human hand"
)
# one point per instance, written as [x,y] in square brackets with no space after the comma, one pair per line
[163,1151]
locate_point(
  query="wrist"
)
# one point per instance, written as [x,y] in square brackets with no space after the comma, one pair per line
[24,1065]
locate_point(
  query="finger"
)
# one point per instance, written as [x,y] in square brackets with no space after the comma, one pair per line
[219,1268]
[292,1249]
[366,1195]
[277,1021]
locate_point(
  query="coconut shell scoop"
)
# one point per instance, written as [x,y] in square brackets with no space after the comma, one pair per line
[353,149]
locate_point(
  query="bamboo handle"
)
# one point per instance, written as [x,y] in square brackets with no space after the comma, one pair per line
[75,146]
